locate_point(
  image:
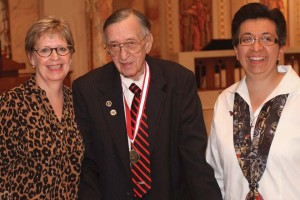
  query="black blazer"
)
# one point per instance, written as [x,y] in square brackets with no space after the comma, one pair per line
[177,135]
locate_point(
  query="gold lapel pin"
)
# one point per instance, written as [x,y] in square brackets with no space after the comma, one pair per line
[113,112]
[108,103]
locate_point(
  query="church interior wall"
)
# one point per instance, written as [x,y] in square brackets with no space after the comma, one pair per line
[168,18]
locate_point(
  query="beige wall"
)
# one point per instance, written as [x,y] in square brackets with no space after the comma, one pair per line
[90,51]
[74,11]
[19,26]
[25,12]
[86,22]
[86,18]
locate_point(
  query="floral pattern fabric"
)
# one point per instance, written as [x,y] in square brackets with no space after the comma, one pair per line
[252,154]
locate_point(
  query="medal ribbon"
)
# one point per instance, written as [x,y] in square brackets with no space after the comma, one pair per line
[145,89]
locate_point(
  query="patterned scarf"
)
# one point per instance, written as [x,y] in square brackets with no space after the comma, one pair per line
[252,154]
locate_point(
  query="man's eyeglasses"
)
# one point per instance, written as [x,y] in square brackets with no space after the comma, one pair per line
[47,51]
[265,40]
[131,46]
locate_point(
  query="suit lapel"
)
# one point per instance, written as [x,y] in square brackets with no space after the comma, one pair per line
[111,100]
[112,105]
[155,101]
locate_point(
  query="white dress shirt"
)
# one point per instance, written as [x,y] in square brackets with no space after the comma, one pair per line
[126,82]
[281,178]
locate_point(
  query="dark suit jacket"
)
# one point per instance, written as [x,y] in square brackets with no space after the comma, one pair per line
[177,135]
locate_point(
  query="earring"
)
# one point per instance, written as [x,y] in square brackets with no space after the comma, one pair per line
[33,67]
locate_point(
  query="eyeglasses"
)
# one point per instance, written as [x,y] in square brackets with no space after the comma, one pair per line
[47,51]
[131,46]
[265,40]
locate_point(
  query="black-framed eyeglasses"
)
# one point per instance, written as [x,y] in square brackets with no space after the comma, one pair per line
[265,40]
[132,46]
[47,51]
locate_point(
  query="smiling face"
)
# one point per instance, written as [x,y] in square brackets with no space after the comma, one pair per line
[257,59]
[52,69]
[130,65]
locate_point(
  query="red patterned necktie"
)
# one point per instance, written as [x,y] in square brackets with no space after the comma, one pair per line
[141,168]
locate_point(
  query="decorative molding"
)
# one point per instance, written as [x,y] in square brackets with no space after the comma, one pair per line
[172,31]
[170,26]
[222,19]
[294,25]
[297,29]
[5,29]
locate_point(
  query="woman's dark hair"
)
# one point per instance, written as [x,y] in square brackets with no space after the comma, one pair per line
[258,11]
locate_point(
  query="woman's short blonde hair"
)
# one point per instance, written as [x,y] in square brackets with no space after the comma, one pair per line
[49,25]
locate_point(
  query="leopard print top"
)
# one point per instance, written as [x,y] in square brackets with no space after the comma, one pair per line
[40,156]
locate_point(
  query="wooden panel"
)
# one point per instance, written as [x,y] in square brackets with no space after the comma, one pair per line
[7,83]
[217,73]
[293,59]
[7,65]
